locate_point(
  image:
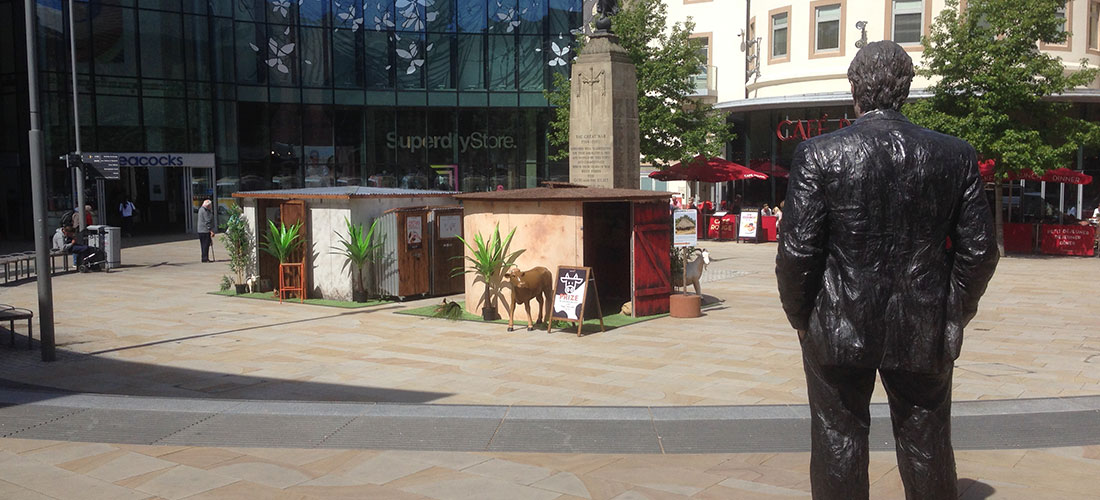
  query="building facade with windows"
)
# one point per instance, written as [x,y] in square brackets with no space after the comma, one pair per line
[441,94]
[783,72]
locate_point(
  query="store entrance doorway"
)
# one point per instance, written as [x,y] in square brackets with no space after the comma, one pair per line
[166,189]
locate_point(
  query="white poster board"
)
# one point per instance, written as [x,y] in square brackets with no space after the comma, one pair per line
[685,228]
[450,226]
[748,223]
[414,231]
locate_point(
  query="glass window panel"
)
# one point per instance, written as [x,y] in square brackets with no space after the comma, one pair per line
[565,15]
[219,8]
[173,5]
[908,28]
[349,148]
[471,62]
[223,49]
[411,126]
[196,6]
[443,20]
[908,6]
[119,123]
[502,62]
[314,12]
[504,17]
[197,47]
[474,173]
[83,38]
[347,58]
[315,63]
[1060,13]
[438,64]
[165,124]
[320,161]
[225,123]
[115,54]
[161,44]
[531,63]
[413,15]
[249,10]
[828,27]
[441,123]
[379,64]
[779,35]
[282,11]
[251,48]
[200,125]
[254,143]
[375,15]
[532,15]
[501,146]
[1094,24]
[559,54]
[410,51]
[281,55]
[380,123]
[286,144]
[471,15]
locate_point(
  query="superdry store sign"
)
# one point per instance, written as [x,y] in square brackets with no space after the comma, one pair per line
[193,160]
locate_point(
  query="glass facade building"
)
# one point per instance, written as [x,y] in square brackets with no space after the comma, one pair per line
[291,93]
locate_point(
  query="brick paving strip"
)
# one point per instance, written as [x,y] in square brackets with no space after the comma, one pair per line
[977,425]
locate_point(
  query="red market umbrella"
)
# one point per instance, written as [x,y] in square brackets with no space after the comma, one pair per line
[705,169]
[769,168]
[1062,175]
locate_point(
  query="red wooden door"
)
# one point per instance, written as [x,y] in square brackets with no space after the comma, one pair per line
[293,212]
[651,275]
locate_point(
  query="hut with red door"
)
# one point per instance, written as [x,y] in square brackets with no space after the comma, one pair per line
[624,235]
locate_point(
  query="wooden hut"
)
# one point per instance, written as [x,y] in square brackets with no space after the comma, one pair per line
[624,235]
[323,210]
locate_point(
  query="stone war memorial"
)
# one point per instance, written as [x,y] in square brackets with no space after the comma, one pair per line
[603,120]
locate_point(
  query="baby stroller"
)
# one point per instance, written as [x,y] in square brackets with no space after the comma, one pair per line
[92,259]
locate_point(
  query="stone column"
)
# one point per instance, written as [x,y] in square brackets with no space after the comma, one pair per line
[603,119]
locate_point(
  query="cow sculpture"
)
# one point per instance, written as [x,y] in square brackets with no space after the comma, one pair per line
[535,283]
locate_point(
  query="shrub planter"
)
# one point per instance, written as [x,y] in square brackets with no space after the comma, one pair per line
[241,289]
[685,305]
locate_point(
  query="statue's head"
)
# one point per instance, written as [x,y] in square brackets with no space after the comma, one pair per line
[880,75]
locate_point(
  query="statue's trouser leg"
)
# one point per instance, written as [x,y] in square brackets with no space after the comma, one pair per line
[920,408]
[840,420]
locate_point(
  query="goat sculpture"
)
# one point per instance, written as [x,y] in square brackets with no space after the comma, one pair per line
[535,283]
[693,271]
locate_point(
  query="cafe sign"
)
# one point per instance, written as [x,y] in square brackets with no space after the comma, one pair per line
[804,129]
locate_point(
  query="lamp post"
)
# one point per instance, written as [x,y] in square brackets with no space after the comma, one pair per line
[38,195]
[76,124]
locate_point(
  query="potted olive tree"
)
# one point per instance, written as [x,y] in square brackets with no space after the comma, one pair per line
[488,260]
[239,244]
[359,249]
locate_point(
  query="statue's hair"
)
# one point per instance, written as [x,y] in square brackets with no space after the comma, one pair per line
[880,75]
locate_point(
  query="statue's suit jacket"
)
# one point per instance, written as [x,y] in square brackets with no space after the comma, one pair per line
[886,246]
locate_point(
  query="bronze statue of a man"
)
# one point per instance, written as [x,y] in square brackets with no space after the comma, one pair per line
[887,246]
[605,9]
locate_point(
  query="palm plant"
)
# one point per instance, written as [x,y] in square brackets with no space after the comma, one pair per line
[488,260]
[359,248]
[282,241]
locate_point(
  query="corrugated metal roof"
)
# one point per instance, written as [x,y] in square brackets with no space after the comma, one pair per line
[563,194]
[341,192]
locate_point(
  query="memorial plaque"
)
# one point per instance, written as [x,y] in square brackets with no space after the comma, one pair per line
[603,117]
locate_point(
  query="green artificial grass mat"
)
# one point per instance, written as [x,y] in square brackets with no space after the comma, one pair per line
[610,322]
[294,300]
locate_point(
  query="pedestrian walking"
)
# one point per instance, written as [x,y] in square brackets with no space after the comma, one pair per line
[867,280]
[206,229]
[126,210]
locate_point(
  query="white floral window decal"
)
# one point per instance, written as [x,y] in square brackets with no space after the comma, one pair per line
[349,17]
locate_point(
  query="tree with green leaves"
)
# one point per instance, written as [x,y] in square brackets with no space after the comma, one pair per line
[674,127]
[994,87]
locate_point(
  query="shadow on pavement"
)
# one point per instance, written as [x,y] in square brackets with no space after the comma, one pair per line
[94,373]
[972,489]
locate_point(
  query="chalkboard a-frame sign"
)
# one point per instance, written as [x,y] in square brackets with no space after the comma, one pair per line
[571,286]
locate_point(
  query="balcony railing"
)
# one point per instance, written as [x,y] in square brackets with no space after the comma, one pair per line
[705,82]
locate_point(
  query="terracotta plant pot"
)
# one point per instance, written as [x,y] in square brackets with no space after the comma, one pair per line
[684,305]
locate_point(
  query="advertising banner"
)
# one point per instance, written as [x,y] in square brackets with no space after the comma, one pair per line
[1067,240]
[749,224]
[685,232]
[414,231]
[570,288]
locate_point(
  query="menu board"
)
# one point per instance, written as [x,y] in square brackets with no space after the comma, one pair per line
[748,224]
